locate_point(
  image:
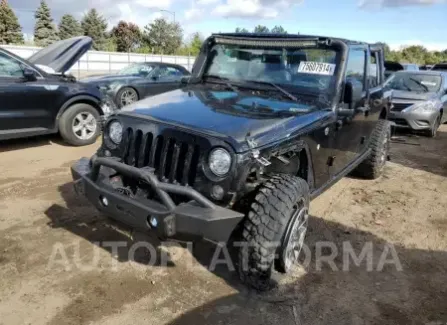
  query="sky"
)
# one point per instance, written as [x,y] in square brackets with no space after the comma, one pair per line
[396,22]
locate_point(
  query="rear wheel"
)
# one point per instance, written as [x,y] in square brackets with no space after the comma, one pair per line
[79,125]
[372,167]
[274,230]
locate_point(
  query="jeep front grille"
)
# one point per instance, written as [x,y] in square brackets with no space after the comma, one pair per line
[174,161]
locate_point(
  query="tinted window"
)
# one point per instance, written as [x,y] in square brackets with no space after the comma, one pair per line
[415,82]
[10,67]
[168,73]
[356,65]
[373,72]
[440,67]
[137,70]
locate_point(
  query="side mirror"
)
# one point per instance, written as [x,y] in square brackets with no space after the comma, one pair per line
[353,93]
[184,80]
[29,74]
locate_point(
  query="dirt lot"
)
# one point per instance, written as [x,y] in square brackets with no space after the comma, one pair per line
[54,268]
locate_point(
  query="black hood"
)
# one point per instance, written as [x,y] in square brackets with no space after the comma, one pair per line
[62,55]
[228,115]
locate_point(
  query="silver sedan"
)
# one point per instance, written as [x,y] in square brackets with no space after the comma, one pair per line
[419,100]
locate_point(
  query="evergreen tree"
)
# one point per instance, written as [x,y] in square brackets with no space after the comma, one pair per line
[261,29]
[10,29]
[69,27]
[278,30]
[45,31]
[241,30]
[95,26]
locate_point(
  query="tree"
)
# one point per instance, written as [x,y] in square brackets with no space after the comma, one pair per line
[69,27]
[196,44]
[261,29]
[278,30]
[45,32]
[162,36]
[95,26]
[127,36]
[241,30]
[10,29]
[414,54]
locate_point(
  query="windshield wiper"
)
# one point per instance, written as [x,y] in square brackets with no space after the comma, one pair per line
[285,92]
[226,82]
[420,84]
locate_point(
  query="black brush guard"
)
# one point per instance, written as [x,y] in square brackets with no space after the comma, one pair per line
[199,217]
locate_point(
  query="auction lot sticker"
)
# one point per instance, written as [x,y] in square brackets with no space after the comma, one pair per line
[326,69]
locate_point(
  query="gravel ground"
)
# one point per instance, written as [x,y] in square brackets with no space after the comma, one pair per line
[56,268]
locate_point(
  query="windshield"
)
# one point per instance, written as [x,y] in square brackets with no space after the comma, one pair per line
[414,82]
[140,69]
[306,70]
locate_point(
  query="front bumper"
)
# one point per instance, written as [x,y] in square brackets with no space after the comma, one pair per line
[413,120]
[199,217]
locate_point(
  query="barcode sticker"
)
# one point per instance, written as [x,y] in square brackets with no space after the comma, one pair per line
[322,68]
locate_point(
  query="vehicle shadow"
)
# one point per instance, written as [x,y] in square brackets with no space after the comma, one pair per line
[30,142]
[388,285]
[420,152]
[343,293]
[83,220]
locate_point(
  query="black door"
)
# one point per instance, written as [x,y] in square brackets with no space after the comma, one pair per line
[167,78]
[377,101]
[21,102]
[349,135]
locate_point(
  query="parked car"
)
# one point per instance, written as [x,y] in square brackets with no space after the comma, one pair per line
[391,67]
[244,147]
[140,80]
[419,100]
[440,67]
[39,98]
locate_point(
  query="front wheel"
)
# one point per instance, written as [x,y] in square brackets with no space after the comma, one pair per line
[274,230]
[126,96]
[434,129]
[79,125]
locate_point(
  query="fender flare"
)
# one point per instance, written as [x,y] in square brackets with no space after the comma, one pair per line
[94,101]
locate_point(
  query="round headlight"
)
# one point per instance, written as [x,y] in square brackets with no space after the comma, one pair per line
[115,132]
[220,161]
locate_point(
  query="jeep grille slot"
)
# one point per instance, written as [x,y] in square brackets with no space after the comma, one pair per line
[174,161]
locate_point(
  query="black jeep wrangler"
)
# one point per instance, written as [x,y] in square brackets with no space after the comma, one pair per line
[264,124]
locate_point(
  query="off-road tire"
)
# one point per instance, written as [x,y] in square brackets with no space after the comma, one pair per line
[265,224]
[66,121]
[372,167]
